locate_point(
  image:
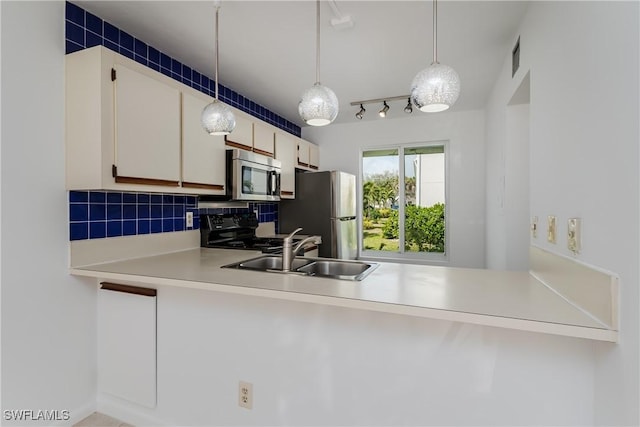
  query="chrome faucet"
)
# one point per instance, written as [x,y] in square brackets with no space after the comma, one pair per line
[289,252]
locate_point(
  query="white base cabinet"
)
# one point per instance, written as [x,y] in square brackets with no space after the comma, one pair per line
[127,343]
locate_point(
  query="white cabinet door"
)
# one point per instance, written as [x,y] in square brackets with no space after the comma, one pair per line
[242,135]
[314,156]
[127,343]
[287,153]
[263,138]
[147,123]
[203,155]
[303,154]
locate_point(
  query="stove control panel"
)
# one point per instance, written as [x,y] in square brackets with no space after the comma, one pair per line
[228,221]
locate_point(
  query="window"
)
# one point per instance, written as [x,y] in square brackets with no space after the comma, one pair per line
[403,202]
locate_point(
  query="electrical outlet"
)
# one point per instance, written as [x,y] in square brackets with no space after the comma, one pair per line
[534,227]
[245,395]
[189,219]
[551,229]
[574,235]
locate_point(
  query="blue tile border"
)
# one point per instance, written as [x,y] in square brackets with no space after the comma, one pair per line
[101,214]
[84,30]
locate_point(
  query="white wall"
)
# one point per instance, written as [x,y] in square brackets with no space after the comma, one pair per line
[584,157]
[318,365]
[48,317]
[341,145]
[507,172]
[516,188]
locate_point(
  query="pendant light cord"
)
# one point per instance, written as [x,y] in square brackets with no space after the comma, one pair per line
[318,41]
[217,11]
[435,31]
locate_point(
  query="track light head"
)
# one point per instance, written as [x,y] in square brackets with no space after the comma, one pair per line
[385,108]
[408,109]
[360,113]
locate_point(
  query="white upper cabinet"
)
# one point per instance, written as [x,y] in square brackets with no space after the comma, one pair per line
[147,124]
[303,154]
[203,155]
[128,130]
[263,136]
[286,148]
[122,124]
[314,156]
[308,155]
[242,135]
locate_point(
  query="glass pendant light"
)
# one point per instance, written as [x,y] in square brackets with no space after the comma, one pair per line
[217,118]
[319,104]
[435,88]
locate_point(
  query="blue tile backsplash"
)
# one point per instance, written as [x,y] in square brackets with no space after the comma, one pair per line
[84,30]
[100,214]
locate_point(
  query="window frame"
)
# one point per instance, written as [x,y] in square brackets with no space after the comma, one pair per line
[402,256]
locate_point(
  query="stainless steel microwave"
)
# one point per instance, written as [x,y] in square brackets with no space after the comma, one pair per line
[252,176]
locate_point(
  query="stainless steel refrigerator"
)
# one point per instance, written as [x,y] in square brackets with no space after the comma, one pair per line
[325,205]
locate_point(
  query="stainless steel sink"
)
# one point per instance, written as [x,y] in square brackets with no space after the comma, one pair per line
[349,270]
[269,262]
[316,267]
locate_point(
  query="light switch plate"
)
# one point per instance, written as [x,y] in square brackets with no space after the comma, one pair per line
[574,235]
[551,229]
[534,227]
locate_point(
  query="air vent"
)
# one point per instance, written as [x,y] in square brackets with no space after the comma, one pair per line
[515,58]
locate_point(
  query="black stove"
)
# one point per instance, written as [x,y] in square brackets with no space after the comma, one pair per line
[235,231]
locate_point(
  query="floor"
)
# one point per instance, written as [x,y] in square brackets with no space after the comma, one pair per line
[100,420]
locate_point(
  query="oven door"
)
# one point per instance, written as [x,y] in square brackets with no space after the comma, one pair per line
[253,181]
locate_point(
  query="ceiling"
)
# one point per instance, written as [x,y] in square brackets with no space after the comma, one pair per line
[267,48]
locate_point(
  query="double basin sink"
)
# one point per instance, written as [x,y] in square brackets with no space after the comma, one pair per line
[316,267]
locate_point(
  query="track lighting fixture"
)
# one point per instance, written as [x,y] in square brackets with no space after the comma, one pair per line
[408,109]
[385,108]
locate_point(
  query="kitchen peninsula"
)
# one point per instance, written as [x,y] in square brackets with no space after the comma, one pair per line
[515,300]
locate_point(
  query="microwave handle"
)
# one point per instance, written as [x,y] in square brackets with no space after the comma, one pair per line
[273,183]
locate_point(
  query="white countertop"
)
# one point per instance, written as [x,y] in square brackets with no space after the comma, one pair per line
[506,299]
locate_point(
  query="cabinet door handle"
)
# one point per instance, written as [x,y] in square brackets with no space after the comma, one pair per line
[128,289]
